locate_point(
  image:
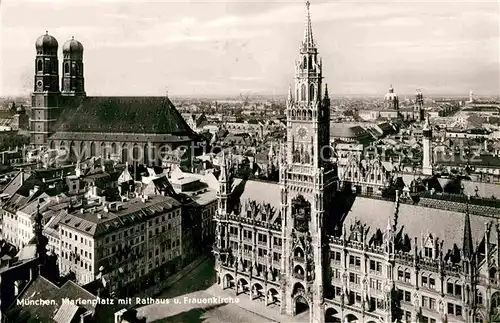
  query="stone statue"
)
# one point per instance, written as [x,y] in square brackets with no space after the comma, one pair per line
[240,264]
[441,306]
[294,238]
[308,249]
[416,300]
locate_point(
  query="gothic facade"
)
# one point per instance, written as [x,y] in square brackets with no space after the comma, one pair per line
[291,245]
[129,129]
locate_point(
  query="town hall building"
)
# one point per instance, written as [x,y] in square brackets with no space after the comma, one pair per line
[311,243]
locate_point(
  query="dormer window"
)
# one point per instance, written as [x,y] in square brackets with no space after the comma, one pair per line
[428,252]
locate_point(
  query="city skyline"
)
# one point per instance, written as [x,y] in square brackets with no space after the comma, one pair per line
[223,48]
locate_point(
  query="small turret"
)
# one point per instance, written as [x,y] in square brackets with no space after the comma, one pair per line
[467,238]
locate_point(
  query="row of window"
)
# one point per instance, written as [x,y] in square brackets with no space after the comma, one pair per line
[260,251]
[453,289]
[83,253]
[169,245]
[75,260]
[82,278]
[261,237]
[70,235]
[356,298]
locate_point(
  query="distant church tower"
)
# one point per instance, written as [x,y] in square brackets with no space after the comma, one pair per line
[427,147]
[391,100]
[308,182]
[44,99]
[72,80]
[471,96]
[418,111]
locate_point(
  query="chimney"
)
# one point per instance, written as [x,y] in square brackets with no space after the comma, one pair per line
[99,216]
[82,210]
[34,190]
[119,314]
[86,317]
[17,287]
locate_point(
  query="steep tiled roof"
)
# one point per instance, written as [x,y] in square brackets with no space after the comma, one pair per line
[43,289]
[346,131]
[66,313]
[145,115]
[98,222]
[16,183]
[261,192]
[416,221]
[257,200]
[483,189]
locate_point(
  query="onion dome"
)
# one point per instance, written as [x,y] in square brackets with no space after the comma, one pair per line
[46,43]
[72,46]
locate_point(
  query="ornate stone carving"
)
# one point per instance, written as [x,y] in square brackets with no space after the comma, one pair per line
[441,306]
[416,299]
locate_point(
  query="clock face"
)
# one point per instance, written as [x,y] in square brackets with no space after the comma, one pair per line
[302,132]
[39,84]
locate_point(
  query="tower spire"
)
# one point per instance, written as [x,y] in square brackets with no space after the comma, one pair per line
[467,247]
[308,35]
[290,97]
[326,91]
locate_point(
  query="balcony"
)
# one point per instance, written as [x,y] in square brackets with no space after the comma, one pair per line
[375,272]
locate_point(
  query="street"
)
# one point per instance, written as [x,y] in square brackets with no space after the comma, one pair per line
[193,286]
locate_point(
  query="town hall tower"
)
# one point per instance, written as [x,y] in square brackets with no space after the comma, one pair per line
[308,180]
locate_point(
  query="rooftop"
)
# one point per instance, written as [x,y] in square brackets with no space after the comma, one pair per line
[96,221]
[41,288]
[143,115]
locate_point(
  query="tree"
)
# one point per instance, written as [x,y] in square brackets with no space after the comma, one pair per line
[13,140]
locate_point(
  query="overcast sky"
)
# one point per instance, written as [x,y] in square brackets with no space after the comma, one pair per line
[214,47]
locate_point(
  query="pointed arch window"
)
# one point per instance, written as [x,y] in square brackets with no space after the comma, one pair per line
[311,92]
[303,92]
[304,65]
[310,62]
